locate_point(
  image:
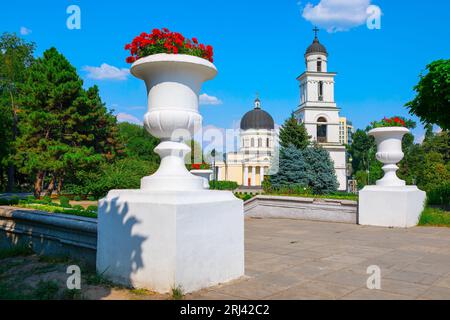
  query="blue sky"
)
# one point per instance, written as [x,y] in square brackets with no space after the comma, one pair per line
[259,47]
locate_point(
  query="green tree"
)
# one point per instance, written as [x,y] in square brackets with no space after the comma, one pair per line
[16,56]
[63,128]
[359,150]
[321,175]
[294,133]
[432,102]
[292,171]
[138,143]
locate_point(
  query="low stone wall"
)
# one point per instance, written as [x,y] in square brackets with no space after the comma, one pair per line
[327,210]
[66,235]
[49,234]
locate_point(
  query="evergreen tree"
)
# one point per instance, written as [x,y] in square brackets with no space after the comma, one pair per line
[16,56]
[292,171]
[321,175]
[63,128]
[294,133]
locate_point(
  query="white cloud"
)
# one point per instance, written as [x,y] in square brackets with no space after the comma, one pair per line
[107,72]
[209,100]
[125,117]
[25,31]
[337,15]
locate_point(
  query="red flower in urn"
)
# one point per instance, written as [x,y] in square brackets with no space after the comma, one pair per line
[166,41]
[393,122]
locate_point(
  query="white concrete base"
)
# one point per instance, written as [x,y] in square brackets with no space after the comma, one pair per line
[399,207]
[162,240]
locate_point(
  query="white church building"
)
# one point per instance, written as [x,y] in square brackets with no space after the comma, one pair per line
[318,109]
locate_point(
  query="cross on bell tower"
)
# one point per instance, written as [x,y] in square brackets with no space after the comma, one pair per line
[316,31]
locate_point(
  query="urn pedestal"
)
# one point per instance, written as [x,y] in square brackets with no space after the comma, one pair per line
[172,232]
[390,203]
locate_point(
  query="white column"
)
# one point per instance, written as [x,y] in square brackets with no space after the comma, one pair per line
[246,176]
[253,176]
[219,173]
[261,174]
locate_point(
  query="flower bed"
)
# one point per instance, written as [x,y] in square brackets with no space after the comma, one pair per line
[165,41]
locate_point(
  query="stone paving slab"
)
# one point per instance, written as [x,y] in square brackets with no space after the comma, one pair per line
[297,259]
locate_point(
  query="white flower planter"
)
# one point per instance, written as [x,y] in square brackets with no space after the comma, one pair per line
[173,86]
[389,152]
[205,175]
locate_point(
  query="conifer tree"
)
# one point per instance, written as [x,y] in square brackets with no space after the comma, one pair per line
[293,170]
[63,128]
[321,175]
[294,133]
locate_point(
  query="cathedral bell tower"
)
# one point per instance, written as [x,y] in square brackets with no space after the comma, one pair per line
[318,109]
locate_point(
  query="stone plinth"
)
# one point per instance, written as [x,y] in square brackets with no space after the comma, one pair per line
[391,206]
[160,240]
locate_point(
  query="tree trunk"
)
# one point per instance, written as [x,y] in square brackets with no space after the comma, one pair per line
[11,168]
[38,184]
[51,186]
[60,184]
[11,173]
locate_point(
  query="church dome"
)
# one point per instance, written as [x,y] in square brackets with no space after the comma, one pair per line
[257,119]
[316,47]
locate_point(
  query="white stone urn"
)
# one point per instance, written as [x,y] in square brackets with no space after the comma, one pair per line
[389,152]
[173,85]
[205,175]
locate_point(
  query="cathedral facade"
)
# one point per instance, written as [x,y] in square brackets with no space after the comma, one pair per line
[257,142]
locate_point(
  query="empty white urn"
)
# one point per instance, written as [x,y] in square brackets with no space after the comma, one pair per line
[173,85]
[389,152]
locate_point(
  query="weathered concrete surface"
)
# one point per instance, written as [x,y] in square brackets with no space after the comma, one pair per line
[343,211]
[296,259]
[49,233]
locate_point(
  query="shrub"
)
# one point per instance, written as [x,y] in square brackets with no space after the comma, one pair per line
[223,185]
[46,200]
[122,174]
[440,196]
[77,198]
[92,208]
[78,207]
[9,202]
[64,202]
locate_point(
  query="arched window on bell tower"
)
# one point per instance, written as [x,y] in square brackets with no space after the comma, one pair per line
[322,130]
[319,64]
[320,90]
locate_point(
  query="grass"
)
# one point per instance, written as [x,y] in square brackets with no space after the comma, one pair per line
[141,292]
[46,290]
[177,293]
[435,217]
[17,251]
[50,208]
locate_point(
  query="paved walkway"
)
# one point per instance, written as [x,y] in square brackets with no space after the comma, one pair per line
[292,259]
